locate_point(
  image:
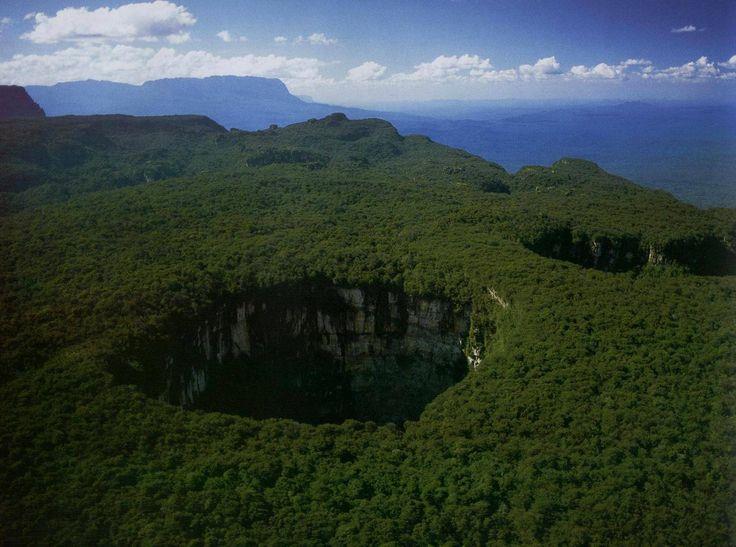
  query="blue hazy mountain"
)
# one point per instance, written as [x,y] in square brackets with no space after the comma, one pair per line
[686,149]
[241,102]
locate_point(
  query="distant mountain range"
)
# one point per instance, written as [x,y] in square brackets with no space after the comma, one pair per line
[241,102]
[686,149]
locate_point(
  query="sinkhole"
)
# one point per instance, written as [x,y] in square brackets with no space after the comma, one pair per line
[317,353]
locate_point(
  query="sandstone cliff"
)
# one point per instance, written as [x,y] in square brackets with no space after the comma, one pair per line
[320,353]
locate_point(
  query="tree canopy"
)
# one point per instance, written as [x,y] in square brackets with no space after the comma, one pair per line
[602,410]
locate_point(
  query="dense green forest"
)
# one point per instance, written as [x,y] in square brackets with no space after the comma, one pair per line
[602,410]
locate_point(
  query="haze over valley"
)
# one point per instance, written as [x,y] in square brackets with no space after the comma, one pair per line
[685,148]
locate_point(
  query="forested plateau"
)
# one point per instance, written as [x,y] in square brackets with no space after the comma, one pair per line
[330,333]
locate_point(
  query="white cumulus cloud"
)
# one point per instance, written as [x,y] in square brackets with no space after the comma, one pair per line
[280,39]
[227,37]
[140,21]
[731,63]
[601,70]
[447,68]
[543,68]
[700,69]
[604,71]
[316,39]
[370,70]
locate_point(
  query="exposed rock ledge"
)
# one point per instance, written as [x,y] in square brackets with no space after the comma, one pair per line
[701,254]
[320,353]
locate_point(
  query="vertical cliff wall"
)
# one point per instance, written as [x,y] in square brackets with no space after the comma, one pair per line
[320,353]
[701,253]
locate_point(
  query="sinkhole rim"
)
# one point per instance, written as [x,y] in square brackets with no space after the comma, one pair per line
[369,354]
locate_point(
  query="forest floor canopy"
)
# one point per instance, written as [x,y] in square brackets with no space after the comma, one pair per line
[598,407]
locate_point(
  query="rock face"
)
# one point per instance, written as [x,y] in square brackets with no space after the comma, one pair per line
[321,353]
[701,253]
[16,103]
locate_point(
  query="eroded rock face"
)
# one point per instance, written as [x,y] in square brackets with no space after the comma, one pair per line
[701,254]
[321,353]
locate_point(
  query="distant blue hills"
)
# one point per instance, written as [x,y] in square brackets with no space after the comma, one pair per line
[242,102]
[686,149]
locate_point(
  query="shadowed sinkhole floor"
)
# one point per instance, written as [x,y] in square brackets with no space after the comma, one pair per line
[319,389]
[317,354]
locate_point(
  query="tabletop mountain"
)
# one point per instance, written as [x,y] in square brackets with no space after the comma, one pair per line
[245,102]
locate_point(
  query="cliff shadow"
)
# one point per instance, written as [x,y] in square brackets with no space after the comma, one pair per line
[313,352]
[699,254]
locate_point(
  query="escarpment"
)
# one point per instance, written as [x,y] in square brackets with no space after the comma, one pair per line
[704,254]
[317,353]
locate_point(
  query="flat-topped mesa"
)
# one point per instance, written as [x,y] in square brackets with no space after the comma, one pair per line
[16,103]
[243,102]
[208,96]
[240,87]
[318,353]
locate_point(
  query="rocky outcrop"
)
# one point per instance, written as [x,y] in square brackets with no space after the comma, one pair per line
[16,103]
[702,253]
[321,353]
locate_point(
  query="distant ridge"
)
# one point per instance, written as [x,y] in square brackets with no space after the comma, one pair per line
[242,102]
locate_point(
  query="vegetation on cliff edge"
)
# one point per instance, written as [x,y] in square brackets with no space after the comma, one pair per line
[602,410]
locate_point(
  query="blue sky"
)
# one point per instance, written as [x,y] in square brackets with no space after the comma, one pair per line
[362,52]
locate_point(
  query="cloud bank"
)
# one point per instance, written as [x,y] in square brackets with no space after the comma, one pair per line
[135,65]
